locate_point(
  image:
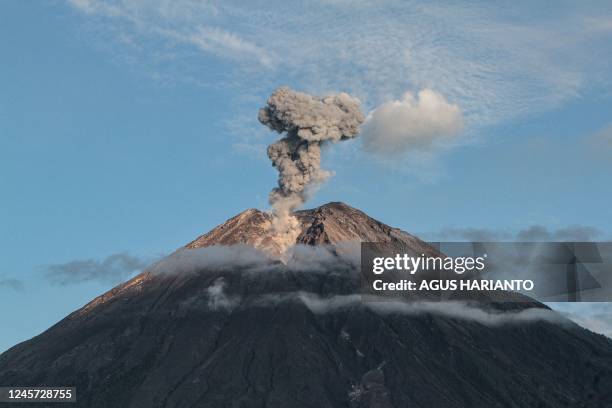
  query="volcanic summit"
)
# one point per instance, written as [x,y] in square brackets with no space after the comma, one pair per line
[331,224]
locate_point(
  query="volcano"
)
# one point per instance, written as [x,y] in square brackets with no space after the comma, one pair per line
[251,332]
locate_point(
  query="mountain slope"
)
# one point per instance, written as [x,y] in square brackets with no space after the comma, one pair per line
[274,336]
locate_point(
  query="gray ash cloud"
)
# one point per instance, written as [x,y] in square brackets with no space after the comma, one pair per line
[307,123]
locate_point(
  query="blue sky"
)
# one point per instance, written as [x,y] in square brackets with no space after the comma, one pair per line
[131,127]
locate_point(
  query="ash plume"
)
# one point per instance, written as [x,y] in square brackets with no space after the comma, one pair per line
[307,122]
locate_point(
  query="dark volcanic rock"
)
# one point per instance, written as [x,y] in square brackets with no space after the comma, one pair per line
[235,338]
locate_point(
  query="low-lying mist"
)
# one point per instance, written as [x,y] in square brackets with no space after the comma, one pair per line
[325,279]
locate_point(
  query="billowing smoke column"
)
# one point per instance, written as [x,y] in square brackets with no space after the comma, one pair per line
[308,122]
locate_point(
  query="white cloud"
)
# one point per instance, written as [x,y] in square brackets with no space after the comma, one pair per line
[412,124]
[218,299]
[114,268]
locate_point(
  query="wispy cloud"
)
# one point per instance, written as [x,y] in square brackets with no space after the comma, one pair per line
[253,150]
[112,269]
[217,298]
[601,141]
[531,233]
[178,22]
[11,283]
[496,62]
[94,7]
[225,43]
[221,43]
[603,24]
[455,310]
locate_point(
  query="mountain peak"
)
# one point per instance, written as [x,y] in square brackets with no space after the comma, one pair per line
[330,224]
